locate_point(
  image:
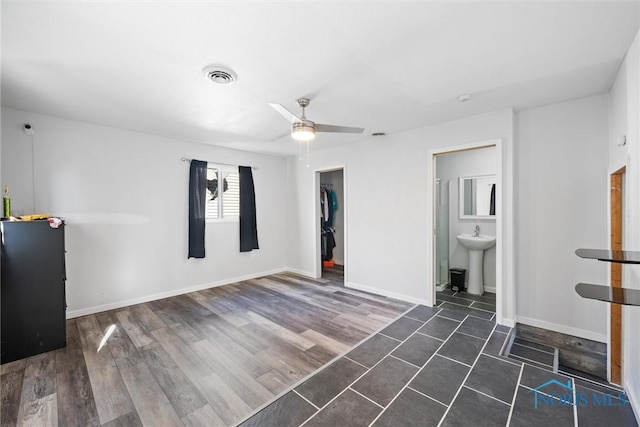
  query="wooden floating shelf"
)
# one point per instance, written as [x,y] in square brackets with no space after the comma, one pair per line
[623,296]
[623,257]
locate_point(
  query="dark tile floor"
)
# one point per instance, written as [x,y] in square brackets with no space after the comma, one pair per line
[442,366]
[532,353]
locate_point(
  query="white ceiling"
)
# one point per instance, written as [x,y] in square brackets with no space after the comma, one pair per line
[387,67]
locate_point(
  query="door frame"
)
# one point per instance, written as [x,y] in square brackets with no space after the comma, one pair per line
[318,247]
[616,239]
[502,289]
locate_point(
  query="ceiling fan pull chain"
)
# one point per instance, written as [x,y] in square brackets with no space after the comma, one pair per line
[299,150]
[308,153]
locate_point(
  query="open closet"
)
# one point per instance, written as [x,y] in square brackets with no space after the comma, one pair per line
[331,193]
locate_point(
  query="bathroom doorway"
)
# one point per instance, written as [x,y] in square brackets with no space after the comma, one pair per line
[332,226]
[463,206]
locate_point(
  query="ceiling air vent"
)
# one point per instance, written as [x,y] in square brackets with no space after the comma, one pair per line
[220,75]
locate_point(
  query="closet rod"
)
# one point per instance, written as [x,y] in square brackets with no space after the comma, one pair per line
[255,168]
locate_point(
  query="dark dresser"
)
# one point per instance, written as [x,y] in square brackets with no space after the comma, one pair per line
[33,289]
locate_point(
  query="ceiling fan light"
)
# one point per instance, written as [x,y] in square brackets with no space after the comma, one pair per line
[302,131]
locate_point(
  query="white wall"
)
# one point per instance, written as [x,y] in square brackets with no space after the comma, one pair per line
[124,197]
[561,205]
[335,178]
[388,208]
[624,119]
[468,163]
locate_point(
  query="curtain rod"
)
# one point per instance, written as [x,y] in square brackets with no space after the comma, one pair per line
[255,168]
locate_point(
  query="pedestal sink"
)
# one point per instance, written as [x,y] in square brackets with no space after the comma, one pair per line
[476,246]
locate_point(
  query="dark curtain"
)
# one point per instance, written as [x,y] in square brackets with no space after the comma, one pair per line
[492,206]
[248,225]
[197,207]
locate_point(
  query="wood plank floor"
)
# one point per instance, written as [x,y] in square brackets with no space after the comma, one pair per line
[207,358]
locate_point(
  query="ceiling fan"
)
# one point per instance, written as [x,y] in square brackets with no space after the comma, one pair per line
[303,129]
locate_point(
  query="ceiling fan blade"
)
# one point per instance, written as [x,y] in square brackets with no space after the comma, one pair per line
[285,113]
[341,129]
[282,135]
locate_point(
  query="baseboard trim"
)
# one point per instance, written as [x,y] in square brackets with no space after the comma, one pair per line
[440,288]
[120,304]
[634,401]
[491,289]
[508,322]
[304,273]
[384,293]
[576,332]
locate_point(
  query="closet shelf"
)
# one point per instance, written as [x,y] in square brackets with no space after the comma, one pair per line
[623,257]
[624,296]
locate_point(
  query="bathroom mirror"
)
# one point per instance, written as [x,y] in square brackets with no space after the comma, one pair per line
[477,197]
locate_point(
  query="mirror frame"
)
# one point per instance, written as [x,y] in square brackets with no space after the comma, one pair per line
[461,213]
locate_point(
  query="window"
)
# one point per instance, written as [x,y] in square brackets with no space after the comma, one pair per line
[223,201]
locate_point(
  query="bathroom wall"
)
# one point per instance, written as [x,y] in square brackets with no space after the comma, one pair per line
[451,167]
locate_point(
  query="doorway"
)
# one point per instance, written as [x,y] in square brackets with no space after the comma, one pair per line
[617,231]
[467,206]
[463,222]
[332,225]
